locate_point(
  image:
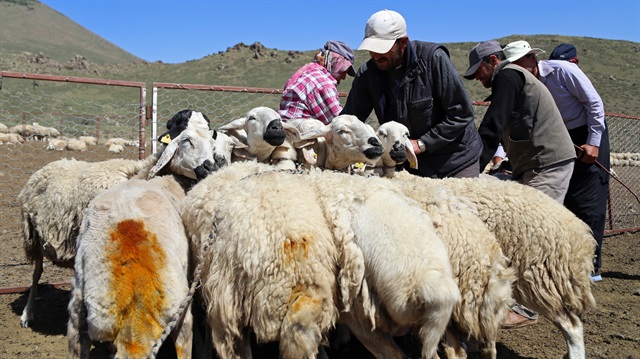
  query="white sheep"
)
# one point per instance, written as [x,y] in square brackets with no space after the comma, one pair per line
[549,248]
[481,270]
[408,281]
[3,128]
[270,267]
[89,140]
[115,140]
[397,148]
[54,199]
[115,148]
[75,144]
[130,276]
[261,130]
[57,144]
[340,144]
[11,138]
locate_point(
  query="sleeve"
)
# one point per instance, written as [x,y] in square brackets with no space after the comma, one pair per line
[323,102]
[579,85]
[454,100]
[505,88]
[359,101]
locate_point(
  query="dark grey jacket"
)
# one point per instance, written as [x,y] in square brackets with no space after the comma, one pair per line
[430,100]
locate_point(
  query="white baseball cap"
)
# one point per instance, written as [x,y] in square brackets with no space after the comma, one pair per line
[514,51]
[382,30]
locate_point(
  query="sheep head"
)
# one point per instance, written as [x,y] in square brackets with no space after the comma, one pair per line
[397,146]
[190,146]
[262,128]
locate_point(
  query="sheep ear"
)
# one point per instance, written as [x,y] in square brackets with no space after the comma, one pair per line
[291,132]
[234,125]
[237,143]
[411,155]
[243,153]
[165,157]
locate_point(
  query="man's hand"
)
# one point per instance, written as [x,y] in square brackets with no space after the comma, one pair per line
[416,147]
[589,153]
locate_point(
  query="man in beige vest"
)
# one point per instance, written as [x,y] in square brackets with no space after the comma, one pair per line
[524,118]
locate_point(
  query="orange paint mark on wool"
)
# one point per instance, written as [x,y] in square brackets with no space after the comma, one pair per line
[135,260]
[296,247]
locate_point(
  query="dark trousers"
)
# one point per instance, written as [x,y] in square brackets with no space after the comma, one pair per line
[589,188]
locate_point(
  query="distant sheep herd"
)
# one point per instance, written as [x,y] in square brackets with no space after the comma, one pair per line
[18,134]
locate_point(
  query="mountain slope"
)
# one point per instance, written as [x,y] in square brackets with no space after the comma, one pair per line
[31,26]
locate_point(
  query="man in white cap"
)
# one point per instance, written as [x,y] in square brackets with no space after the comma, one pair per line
[582,111]
[415,83]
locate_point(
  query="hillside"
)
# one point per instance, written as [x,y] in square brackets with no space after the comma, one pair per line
[612,65]
[33,27]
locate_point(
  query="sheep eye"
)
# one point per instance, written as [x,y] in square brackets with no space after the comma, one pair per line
[187,140]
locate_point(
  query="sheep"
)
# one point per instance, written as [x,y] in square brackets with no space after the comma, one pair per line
[76,145]
[397,148]
[345,135]
[11,138]
[55,197]
[136,229]
[480,268]
[115,148]
[89,140]
[415,292]
[270,267]
[3,128]
[549,248]
[116,140]
[57,144]
[261,130]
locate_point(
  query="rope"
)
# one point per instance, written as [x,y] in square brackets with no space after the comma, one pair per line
[612,174]
[187,301]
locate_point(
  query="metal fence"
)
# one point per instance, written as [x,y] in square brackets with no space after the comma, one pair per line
[117,109]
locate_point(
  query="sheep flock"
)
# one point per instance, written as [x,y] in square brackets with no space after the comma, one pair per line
[298,233]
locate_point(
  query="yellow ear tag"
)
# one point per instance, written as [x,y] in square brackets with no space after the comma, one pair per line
[359,165]
[166,139]
[413,163]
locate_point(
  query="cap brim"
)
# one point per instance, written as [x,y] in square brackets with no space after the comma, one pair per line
[351,72]
[379,46]
[518,57]
[471,72]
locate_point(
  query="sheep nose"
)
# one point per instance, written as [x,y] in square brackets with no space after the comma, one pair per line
[220,162]
[374,141]
[204,169]
[274,134]
[274,125]
[397,146]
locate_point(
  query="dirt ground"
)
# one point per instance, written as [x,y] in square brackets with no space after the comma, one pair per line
[611,331]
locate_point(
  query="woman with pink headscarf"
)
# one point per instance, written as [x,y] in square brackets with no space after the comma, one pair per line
[312,90]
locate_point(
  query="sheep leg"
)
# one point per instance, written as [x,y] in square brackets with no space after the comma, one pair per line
[79,343]
[27,314]
[300,334]
[488,349]
[571,327]
[380,344]
[183,337]
[451,345]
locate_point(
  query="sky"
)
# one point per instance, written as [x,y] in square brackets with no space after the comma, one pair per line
[176,31]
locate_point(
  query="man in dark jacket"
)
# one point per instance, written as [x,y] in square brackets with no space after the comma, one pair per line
[415,83]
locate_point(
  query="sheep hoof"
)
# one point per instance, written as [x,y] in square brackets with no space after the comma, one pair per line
[24,323]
